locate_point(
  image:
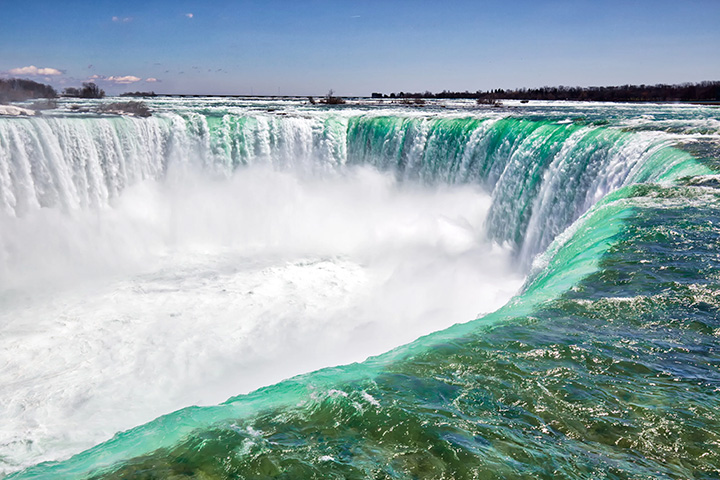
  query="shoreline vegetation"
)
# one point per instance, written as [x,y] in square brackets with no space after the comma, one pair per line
[138,94]
[20,90]
[88,90]
[685,92]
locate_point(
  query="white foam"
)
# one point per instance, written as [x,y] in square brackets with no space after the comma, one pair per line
[196,289]
[14,111]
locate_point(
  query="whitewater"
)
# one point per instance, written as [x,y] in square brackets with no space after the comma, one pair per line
[153,268]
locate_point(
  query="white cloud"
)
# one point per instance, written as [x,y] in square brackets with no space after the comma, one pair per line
[123,80]
[189,15]
[96,77]
[122,19]
[33,70]
[152,80]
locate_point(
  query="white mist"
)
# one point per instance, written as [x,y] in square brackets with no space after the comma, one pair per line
[196,289]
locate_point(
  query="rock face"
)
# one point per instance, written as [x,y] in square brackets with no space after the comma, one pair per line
[138,109]
[14,111]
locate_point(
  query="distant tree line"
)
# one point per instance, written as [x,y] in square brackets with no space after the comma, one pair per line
[88,90]
[703,91]
[138,94]
[18,90]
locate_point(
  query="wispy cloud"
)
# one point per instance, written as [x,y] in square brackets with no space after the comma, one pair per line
[33,70]
[118,79]
[189,15]
[122,19]
[124,80]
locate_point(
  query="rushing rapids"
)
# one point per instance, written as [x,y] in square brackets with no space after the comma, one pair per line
[355,214]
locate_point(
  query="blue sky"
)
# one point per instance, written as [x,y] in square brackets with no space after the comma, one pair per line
[358,47]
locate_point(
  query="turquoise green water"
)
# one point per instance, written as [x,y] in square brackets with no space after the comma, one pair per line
[605,365]
[616,378]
